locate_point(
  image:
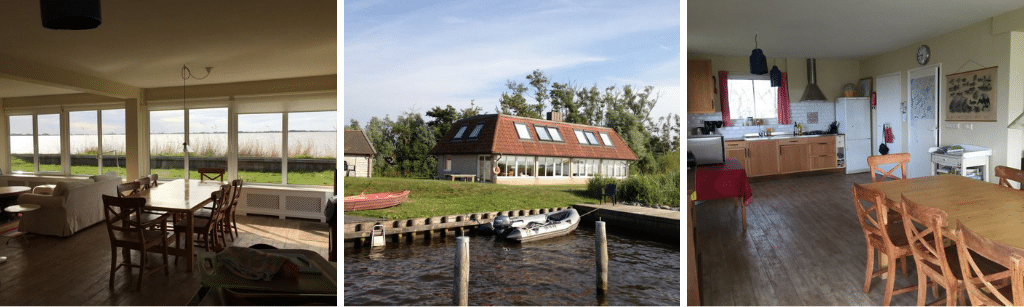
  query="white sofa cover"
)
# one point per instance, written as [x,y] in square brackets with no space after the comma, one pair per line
[73,206]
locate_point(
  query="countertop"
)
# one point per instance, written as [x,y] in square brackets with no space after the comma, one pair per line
[775,137]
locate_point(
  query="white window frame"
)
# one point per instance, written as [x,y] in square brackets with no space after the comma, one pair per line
[732,103]
[555,135]
[542,133]
[607,140]
[523,131]
[582,139]
[591,137]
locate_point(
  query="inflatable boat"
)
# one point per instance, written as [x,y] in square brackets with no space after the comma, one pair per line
[534,227]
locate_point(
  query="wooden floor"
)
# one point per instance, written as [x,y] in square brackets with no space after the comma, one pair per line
[803,246]
[76,270]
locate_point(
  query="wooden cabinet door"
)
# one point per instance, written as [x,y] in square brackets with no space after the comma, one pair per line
[700,87]
[764,158]
[823,153]
[739,153]
[793,158]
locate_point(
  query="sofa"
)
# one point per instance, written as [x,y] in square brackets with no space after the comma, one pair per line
[71,206]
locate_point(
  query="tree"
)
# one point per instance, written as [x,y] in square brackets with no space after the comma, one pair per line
[413,140]
[665,134]
[563,97]
[380,135]
[540,89]
[590,107]
[444,118]
[515,103]
[353,125]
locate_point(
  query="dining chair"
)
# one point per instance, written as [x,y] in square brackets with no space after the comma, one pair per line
[901,160]
[888,239]
[230,224]
[128,232]
[1007,174]
[970,246]
[153,178]
[210,173]
[207,230]
[128,189]
[143,183]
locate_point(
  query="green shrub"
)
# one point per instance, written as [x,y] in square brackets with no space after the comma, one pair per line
[595,186]
[660,189]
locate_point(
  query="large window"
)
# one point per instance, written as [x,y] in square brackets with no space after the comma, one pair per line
[752,96]
[586,167]
[49,142]
[208,137]
[166,138]
[312,147]
[35,144]
[259,147]
[552,167]
[113,147]
[92,154]
[519,166]
[22,143]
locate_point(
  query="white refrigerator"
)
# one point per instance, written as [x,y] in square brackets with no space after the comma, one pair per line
[854,118]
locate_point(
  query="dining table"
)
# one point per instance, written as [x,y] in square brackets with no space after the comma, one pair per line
[993,211]
[185,197]
[725,180]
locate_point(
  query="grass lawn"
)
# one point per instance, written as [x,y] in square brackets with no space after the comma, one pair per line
[441,197]
[321,178]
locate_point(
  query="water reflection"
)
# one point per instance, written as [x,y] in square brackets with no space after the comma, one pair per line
[559,271]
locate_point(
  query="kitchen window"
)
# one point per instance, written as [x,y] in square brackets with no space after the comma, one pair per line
[752,96]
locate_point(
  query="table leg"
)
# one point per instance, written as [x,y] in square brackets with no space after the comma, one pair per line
[189,244]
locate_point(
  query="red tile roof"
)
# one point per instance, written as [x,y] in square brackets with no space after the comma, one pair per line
[499,136]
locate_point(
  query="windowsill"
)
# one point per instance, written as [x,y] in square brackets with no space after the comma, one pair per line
[290,187]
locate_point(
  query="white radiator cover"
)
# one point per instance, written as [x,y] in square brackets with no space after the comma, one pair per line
[307,203]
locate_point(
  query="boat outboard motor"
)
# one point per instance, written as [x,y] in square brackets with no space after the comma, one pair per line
[502,222]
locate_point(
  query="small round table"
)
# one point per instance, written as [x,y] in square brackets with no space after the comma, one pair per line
[9,194]
[18,209]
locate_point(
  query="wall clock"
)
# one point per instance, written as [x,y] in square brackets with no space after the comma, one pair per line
[923,53]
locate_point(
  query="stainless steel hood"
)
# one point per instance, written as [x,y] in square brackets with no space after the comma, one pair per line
[812,92]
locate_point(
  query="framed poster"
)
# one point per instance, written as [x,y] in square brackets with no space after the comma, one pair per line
[864,85]
[971,96]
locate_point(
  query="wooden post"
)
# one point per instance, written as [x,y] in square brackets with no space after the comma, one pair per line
[601,242]
[460,295]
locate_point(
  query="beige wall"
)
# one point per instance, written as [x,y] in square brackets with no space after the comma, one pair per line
[364,166]
[461,164]
[969,48]
[832,74]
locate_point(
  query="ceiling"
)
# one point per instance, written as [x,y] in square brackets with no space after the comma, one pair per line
[144,44]
[827,29]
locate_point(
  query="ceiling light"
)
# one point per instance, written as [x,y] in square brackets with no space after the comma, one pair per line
[70,14]
[758,63]
[775,76]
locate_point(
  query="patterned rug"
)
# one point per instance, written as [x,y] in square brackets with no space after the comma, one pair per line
[311,231]
[9,227]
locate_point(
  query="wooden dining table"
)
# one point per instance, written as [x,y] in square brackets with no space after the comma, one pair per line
[181,196]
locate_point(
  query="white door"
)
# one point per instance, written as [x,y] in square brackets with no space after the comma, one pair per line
[923,129]
[888,112]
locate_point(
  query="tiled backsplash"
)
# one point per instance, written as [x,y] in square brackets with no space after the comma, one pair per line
[800,110]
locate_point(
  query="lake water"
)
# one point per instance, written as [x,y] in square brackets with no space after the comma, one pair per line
[320,144]
[553,272]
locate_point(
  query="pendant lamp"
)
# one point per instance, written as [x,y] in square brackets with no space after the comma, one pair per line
[185,75]
[758,63]
[775,76]
[70,14]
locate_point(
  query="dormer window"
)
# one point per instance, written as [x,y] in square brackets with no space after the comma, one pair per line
[554,134]
[523,131]
[606,139]
[542,133]
[476,130]
[462,130]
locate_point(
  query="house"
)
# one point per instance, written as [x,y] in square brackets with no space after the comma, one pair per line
[359,154]
[508,149]
[891,47]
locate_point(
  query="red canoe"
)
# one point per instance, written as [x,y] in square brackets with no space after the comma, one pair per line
[375,201]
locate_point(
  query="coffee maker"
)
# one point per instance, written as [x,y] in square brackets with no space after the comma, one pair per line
[711,125]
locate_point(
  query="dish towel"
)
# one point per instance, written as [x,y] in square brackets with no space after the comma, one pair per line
[251,263]
[888,134]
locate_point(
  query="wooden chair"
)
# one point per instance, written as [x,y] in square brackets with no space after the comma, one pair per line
[901,160]
[229,217]
[128,189]
[887,239]
[210,173]
[207,230]
[143,183]
[970,246]
[127,231]
[153,180]
[1007,174]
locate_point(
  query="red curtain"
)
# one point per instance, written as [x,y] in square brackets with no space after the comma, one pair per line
[783,107]
[723,92]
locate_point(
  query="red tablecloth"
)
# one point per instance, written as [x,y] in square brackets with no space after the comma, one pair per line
[724,180]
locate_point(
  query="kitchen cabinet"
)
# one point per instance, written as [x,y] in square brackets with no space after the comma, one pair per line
[794,156]
[764,158]
[739,151]
[822,152]
[700,87]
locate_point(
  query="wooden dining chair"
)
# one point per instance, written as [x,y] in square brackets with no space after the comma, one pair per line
[236,193]
[979,284]
[210,173]
[153,178]
[143,183]
[1007,174]
[901,160]
[127,231]
[128,189]
[889,239]
[208,229]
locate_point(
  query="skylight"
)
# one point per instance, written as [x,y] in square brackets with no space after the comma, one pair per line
[580,138]
[524,133]
[542,133]
[607,141]
[476,130]
[591,137]
[554,134]
[461,132]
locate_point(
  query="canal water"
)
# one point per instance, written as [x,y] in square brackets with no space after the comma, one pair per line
[558,271]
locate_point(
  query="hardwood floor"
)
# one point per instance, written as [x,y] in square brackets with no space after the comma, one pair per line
[803,246]
[76,270]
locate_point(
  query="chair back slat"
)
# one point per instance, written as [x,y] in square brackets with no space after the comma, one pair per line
[932,221]
[1011,257]
[128,189]
[123,215]
[1007,174]
[901,160]
[153,180]
[871,225]
[210,173]
[144,183]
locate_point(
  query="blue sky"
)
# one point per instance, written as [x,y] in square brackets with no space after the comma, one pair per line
[414,55]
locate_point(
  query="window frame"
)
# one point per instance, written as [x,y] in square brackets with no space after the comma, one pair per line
[592,138]
[605,138]
[742,76]
[580,137]
[525,129]
[476,131]
[542,129]
[555,134]
[460,133]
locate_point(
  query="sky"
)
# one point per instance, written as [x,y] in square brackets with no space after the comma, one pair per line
[213,120]
[402,56]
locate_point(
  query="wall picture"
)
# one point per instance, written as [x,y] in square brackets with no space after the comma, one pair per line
[971,96]
[865,87]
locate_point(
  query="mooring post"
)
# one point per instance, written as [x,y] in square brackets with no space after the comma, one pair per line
[601,242]
[460,296]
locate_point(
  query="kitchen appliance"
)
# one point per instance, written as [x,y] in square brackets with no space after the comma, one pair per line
[710,126]
[707,149]
[698,131]
[812,92]
[853,117]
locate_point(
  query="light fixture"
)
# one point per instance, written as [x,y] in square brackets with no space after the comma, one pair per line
[775,76]
[758,63]
[70,14]
[185,75]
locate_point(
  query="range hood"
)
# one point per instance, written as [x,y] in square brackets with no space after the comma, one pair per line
[812,92]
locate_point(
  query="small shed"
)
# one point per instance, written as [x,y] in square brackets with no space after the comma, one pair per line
[358,154]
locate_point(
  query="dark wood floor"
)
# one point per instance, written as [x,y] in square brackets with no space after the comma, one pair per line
[803,246]
[76,270]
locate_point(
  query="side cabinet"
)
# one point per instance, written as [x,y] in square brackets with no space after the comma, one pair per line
[739,151]
[764,158]
[793,155]
[700,87]
[823,152]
